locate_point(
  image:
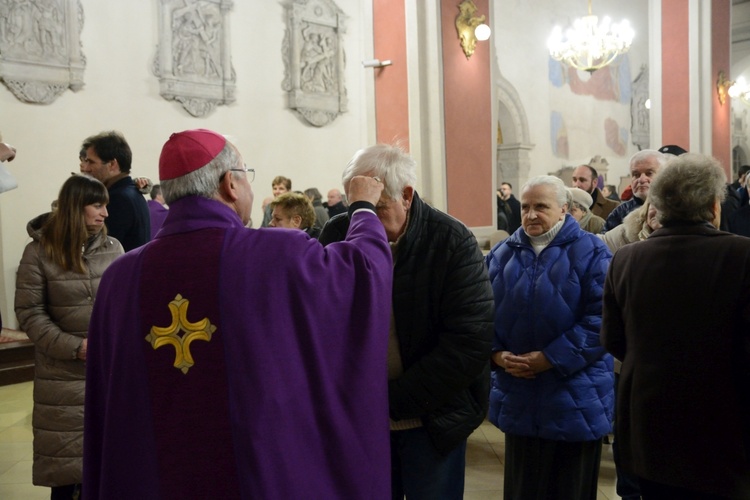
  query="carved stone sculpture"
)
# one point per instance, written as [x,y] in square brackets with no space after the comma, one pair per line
[314,60]
[193,60]
[40,48]
[640,128]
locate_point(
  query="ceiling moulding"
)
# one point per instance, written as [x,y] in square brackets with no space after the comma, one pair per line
[314,60]
[40,48]
[193,59]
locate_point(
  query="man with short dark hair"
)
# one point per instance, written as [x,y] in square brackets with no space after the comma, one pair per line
[108,159]
[587,178]
[508,208]
[740,185]
[741,173]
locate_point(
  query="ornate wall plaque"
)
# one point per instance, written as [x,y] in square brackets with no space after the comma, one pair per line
[40,48]
[193,59]
[314,60]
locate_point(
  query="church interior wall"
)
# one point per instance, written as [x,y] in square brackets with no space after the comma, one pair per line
[119,41]
[572,115]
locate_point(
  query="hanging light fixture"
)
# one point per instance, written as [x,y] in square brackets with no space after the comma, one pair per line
[589,45]
[739,90]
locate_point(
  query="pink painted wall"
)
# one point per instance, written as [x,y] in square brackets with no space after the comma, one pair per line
[469,132]
[391,85]
[720,61]
[675,91]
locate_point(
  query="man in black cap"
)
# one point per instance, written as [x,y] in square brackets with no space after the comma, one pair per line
[672,149]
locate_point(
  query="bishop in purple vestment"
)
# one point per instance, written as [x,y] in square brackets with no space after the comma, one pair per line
[217,369]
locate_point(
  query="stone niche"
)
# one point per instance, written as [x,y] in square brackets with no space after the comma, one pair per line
[40,48]
[314,60]
[193,59]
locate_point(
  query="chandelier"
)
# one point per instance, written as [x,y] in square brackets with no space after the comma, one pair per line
[738,89]
[589,45]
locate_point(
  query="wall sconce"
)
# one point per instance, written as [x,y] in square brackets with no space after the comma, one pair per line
[470,27]
[722,87]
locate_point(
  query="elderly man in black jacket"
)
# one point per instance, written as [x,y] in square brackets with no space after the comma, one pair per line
[441,329]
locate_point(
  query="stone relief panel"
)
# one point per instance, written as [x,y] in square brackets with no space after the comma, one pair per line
[314,60]
[640,128]
[193,59]
[40,48]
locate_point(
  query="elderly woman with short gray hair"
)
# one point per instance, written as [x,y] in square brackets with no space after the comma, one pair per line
[552,382]
[677,313]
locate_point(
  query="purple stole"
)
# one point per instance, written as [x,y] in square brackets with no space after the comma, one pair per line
[189,402]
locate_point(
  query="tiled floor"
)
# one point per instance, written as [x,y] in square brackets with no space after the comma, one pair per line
[484,466]
[484,469]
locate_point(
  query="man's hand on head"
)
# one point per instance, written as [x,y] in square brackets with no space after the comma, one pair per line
[362,188]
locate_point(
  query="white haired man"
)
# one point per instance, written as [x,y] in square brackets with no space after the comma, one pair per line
[441,328]
[644,165]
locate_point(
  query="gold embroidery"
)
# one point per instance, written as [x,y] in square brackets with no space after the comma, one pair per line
[201,330]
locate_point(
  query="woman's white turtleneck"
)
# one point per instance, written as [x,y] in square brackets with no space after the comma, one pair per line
[539,243]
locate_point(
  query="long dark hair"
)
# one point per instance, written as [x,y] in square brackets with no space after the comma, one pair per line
[64,233]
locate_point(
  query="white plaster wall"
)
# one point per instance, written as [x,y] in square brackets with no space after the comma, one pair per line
[520,32]
[119,41]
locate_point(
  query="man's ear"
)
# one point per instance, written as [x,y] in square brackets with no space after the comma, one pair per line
[114,167]
[408,196]
[228,187]
[297,220]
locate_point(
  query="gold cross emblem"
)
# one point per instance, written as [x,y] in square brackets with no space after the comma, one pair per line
[200,330]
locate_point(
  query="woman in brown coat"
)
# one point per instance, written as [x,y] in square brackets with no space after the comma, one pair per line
[677,314]
[56,284]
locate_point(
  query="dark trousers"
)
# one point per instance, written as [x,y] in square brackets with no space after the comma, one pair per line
[419,472]
[651,490]
[540,469]
[627,484]
[67,492]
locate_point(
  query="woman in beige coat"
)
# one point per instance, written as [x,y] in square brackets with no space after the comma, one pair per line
[56,284]
[636,226]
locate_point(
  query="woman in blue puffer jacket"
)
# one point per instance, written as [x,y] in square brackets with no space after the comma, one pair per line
[552,381]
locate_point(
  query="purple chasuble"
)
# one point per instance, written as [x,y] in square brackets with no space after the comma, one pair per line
[226,362]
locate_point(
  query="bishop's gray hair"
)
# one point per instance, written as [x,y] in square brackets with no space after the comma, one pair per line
[204,181]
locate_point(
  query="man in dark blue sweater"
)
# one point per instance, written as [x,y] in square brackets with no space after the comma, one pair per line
[108,159]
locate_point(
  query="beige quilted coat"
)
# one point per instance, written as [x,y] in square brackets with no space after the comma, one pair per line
[53,308]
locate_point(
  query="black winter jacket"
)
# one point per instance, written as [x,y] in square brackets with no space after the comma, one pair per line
[443,307]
